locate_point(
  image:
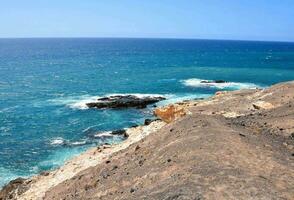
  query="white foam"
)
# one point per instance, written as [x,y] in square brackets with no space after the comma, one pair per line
[104,134]
[195,82]
[57,141]
[78,143]
[80,102]
[75,102]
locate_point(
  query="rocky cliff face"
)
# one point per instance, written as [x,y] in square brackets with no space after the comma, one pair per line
[235,145]
[170,113]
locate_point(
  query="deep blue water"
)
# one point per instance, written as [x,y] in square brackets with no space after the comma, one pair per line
[45,82]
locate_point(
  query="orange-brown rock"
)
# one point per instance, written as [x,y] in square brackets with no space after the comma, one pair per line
[170,113]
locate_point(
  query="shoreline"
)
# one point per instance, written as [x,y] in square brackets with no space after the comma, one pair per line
[246,130]
[40,183]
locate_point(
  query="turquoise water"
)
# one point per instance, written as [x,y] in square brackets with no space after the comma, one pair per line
[44,84]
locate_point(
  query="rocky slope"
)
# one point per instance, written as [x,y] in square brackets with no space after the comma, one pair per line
[235,145]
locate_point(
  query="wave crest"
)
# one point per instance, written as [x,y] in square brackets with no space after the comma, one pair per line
[57,141]
[200,83]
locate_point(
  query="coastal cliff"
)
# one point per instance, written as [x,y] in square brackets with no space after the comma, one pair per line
[234,145]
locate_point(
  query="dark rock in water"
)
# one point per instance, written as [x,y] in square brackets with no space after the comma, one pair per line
[118,132]
[126,101]
[122,132]
[215,81]
[220,81]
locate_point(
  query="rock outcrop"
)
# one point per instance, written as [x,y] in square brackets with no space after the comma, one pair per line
[124,101]
[262,105]
[170,113]
[13,189]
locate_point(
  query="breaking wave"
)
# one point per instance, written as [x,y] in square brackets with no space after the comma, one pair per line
[199,83]
[57,141]
[80,102]
[103,134]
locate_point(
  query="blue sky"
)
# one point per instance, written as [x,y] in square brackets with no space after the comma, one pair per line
[210,19]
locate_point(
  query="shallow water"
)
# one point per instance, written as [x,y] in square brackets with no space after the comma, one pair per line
[45,83]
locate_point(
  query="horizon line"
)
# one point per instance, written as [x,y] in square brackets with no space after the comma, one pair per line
[162,38]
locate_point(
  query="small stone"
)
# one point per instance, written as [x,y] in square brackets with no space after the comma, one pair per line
[141,162]
[147,122]
[132,190]
[45,173]
[137,148]
[285,144]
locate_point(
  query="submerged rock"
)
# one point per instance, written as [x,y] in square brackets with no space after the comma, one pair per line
[215,81]
[124,101]
[109,134]
[122,132]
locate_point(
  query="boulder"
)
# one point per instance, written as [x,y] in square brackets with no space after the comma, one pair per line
[170,113]
[149,121]
[262,105]
[13,189]
[122,132]
[124,101]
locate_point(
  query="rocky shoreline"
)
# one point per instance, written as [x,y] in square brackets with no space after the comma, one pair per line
[124,101]
[35,187]
[234,145]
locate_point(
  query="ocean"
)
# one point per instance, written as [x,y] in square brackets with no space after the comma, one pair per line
[45,83]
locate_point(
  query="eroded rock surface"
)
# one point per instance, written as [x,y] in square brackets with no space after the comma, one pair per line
[170,113]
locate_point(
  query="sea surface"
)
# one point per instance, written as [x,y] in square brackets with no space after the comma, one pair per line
[45,83]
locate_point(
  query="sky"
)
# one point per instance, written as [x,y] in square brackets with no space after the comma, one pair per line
[204,19]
